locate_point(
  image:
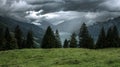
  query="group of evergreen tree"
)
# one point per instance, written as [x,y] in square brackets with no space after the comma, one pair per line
[71,43]
[15,39]
[66,44]
[110,39]
[51,39]
[85,39]
[105,40]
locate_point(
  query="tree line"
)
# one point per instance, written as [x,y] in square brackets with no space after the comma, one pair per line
[109,39]
[14,39]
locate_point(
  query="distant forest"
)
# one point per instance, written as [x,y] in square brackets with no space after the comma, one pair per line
[15,40]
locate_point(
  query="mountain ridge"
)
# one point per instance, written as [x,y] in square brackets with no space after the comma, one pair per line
[25,27]
[95,28]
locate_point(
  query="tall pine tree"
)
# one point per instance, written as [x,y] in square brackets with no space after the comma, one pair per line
[49,40]
[13,43]
[91,42]
[8,39]
[109,38]
[58,40]
[24,43]
[2,39]
[73,41]
[30,40]
[18,36]
[115,37]
[66,44]
[85,40]
[101,41]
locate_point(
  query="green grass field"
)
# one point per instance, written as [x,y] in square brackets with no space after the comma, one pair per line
[60,58]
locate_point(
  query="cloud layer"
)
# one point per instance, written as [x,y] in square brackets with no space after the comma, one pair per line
[112,5]
[60,11]
[58,5]
[61,16]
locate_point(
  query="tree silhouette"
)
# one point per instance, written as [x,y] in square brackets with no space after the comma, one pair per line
[73,41]
[115,37]
[2,39]
[8,39]
[49,40]
[109,37]
[18,36]
[85,40]
[66,44]
[58,40]
[30,40]
[101,41]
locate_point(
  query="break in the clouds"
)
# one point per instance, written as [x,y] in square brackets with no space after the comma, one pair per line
[60,11]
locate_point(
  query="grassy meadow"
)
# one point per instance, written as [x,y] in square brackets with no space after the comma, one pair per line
[71,57]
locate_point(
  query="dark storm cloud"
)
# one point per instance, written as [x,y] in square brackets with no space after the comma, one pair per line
[26,5]
[67,5]
[47,5]
[51,7]
[75,5]
[58,5]
[82,5]
[17,8]
[34,2]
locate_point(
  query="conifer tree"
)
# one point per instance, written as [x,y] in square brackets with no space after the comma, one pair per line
[73,41]
[109,37]
[30,40]
[112,37]
[58,40]
[13,43]
[91,43]
[18,36]
[24,44]
[115,36]
[8,39]
[85,40]
[101,41]
[2,39]
[49,40]
[66,44]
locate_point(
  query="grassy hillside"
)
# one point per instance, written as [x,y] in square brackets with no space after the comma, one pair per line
[60,58]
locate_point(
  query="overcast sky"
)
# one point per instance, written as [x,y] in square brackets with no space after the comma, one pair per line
[58,11]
